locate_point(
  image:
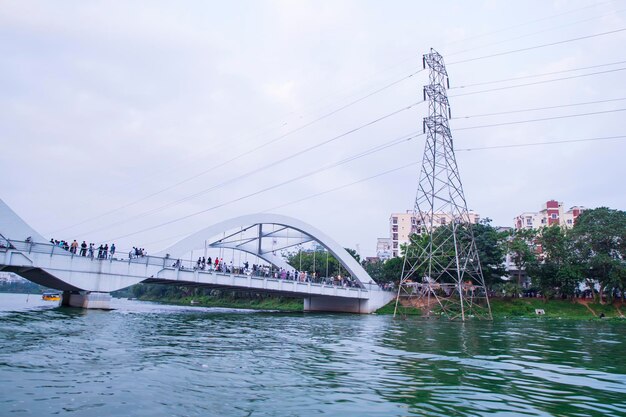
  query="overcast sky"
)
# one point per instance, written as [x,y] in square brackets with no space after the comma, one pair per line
[103,105]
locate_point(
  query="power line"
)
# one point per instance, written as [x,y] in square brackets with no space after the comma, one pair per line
[380,147]
[538,46]
[524,24]
[263,190]
[538,82]
[241,155]
[260,169]
[375,149]
[536,32]
[380,174]
[311,123]
[540,108]
[556,142]
[536,75]
[540,120]
[389,172]
[456,150]
[344,161]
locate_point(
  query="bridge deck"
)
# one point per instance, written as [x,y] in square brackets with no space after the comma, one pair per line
[50,265]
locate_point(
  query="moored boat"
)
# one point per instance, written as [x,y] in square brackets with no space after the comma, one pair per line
[51,296]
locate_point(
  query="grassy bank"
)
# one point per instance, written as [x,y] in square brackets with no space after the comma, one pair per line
[563,309]
[525,308]
[500,308]
[402,310]
[274,303]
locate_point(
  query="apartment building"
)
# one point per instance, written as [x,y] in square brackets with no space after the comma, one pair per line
[402,225]
[553,212]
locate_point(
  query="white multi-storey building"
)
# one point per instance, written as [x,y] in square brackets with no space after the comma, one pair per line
[402,225]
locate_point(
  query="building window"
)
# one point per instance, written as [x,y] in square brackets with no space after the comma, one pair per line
[442,220]
[394,220]
[394,236]
[569,221]
[553,216]
[543,221]
[395,254]
[395,245]
[394,229]
[529,221]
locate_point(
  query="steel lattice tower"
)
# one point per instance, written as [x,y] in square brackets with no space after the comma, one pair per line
[441,267]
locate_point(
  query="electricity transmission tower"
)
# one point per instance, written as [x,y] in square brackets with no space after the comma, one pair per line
[441,268]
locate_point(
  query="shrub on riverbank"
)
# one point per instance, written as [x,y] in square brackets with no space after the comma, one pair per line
[526,307]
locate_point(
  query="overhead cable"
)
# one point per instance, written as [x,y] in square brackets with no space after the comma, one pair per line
[535,75]
[375,149]
[507,28]
[540,120]
[556,142]
[535,33]
[257,170]
[241,155]
[380,174]
[538,46]
[539,108]
[538,82]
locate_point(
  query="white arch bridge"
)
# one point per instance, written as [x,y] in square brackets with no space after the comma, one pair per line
[87,281]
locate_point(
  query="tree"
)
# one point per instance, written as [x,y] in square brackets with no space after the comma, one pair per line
[321,262]
[392,270]
[520,246]
[375,270]
[599,239]
[559,270]
[491,250]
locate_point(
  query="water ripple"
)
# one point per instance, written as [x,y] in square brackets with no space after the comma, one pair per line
[145,359]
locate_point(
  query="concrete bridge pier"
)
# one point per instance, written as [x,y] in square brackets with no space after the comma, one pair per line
[86,299]
[376,300]
[342,305]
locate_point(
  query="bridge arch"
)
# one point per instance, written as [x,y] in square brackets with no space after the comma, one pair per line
[259,224]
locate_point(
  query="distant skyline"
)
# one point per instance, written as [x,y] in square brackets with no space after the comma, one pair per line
[118,118]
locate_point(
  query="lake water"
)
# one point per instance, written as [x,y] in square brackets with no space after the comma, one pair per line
[145,359]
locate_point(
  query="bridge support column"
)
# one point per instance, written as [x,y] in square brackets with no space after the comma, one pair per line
[336,304]
[377,300]
[92,300]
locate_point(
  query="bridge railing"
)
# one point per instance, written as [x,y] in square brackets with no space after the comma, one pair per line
[171,263]
[51,249]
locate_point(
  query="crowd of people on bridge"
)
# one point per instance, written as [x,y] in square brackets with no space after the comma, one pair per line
[267,271]
[101,252]
[104,251]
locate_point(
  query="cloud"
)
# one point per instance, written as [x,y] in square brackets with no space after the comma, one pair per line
[104,106]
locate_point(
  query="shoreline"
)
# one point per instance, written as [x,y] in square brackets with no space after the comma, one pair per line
[502,309]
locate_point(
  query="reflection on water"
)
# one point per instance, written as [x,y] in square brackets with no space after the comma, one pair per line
[145,359]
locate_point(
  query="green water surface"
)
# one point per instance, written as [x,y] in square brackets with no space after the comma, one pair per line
[146,359]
